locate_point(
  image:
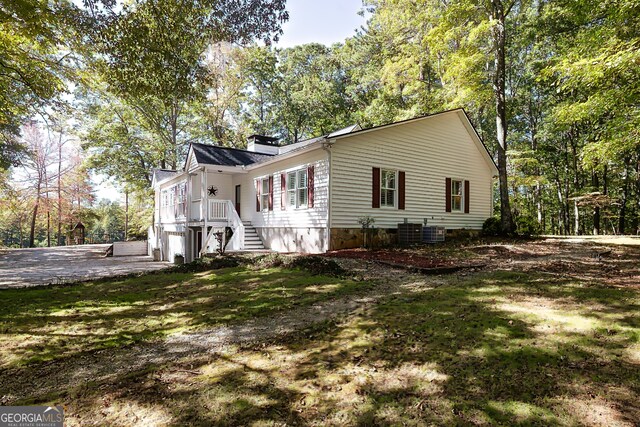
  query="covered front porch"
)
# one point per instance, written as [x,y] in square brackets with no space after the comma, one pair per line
[213,214]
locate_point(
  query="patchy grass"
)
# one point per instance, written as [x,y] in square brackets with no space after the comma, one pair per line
[498,348]
[517,347]
[47,323]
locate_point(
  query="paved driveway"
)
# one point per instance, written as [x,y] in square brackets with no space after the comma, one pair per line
[41,266]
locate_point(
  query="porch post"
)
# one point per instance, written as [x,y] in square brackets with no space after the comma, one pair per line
[204,205]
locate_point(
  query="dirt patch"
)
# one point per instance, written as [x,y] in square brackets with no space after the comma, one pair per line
[408,258]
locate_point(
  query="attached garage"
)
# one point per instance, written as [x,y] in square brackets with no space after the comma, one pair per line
[173,244]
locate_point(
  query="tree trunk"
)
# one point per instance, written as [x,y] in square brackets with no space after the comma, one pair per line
[126,216]
[59,190]
[625,197]
[32,233]
[576,215]
[596,210]
[636,205]
[48,206]
[499,40]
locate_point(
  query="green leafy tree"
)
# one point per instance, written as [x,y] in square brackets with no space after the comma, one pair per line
[152,58]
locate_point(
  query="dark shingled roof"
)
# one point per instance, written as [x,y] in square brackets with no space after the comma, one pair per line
[161,174]
[225,156]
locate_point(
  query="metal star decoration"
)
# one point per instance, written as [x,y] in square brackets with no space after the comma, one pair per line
[213,191]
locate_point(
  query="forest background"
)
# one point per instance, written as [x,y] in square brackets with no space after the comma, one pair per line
[119,88]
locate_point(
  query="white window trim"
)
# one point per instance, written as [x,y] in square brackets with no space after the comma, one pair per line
[297,188]
[264,206]
[196,193]
[461,181]
[395,190]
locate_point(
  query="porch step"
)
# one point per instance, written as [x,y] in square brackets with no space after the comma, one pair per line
[252,241]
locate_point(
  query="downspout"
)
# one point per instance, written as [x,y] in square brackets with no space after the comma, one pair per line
[326,146]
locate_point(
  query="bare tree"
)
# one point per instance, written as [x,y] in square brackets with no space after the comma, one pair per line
[35,165]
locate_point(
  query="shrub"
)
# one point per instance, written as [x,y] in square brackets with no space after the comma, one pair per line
[527,226]
[491,227]
[314,264]
[268,261]
[208,263]
[318,265]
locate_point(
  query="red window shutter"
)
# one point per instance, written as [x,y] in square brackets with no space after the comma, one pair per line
[447,194]
[257,195]
[310,184]
[375,197]
[401,190]
[283,191]
[270,192]
[466,197]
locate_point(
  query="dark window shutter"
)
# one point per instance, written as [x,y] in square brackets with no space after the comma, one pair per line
[270,192]
[283,189]
[401,190]
[257,195]
[466,197]
[447,185]
[375,197]
[310,183]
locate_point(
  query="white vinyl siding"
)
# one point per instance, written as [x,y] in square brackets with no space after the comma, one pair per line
[290,216]
[429,150]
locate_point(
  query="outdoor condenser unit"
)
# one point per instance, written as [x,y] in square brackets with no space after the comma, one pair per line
[409,234]
[433,234]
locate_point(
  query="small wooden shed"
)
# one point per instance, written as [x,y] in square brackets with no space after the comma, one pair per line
[77,234]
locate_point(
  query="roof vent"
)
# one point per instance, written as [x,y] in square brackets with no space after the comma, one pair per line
[262,144]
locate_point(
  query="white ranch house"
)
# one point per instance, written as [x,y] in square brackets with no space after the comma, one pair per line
[308,196]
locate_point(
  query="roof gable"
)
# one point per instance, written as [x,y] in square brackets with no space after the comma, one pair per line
[461,115]
[162,174]
[223,156]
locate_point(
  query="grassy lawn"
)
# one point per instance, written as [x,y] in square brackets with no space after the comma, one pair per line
[492,348]
[47,323]
[486,348]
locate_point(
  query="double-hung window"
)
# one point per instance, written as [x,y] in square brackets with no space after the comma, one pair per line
[456,195]
[264,194]
[388,188]
[297,190]
[182,199]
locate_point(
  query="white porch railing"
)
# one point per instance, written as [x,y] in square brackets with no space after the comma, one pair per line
[218,210]
[221,214]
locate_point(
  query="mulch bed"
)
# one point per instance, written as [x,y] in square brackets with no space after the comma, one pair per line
[406,259]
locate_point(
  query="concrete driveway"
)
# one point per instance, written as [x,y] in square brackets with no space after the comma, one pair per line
[42,266]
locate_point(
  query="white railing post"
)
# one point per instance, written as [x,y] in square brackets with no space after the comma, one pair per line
[235,222]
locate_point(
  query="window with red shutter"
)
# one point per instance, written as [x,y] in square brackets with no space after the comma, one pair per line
[258,195]
[467,198]
[447,186]
[375,196]
[283,191]
[310,184]
[270,192]
[401,190]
